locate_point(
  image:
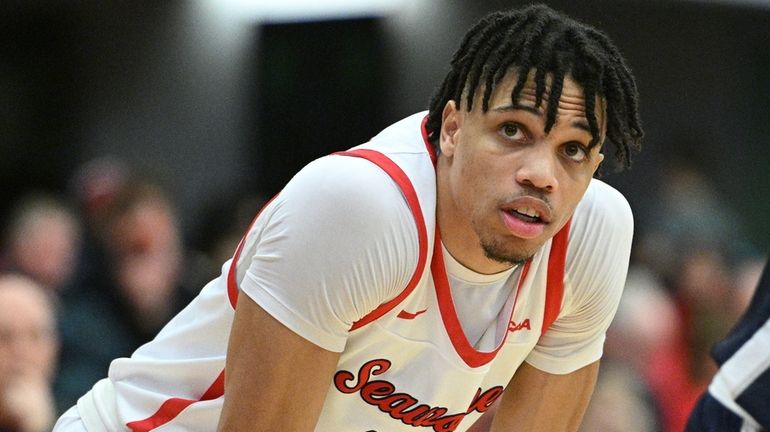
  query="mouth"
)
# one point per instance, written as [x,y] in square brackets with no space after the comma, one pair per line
[529,209]
[526,217]
[526,214]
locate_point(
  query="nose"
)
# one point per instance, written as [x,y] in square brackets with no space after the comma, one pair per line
[538,169]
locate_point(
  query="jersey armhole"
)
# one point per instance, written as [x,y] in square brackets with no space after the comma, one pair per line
[407,189]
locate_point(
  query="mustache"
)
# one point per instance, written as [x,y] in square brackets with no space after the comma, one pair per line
[531,192]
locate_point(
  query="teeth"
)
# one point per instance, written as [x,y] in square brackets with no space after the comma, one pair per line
[528,212]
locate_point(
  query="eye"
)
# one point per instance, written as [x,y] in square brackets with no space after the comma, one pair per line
[512,131]
[575,151]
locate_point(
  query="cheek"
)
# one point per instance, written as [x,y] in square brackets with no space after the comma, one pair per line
[574,193]
[476,179]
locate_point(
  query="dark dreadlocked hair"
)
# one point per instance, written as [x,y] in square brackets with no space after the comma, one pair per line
[541,39]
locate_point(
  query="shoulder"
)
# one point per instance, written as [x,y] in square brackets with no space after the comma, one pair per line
[338,241]
[345,188]
[601,235]
[347,207]
[602,219]
[605,205]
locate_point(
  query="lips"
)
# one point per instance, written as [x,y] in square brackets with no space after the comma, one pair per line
[526,217]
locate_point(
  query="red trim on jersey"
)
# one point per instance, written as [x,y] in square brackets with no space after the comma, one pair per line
[554,291]
[465,349]
[401,179]
[428,145]
[410,315]
[173,406]
[232,280]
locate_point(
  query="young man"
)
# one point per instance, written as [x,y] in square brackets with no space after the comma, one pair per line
[405,284]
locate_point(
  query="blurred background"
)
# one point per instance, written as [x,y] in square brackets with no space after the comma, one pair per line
[138,139]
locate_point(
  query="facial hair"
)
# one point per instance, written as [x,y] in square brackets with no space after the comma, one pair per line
[495,252]
[499,250]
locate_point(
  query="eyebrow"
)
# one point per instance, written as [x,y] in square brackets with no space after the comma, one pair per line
[580,124]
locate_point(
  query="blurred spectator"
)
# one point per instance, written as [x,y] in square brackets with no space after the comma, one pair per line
[129,286]
[746,279]
[705,290]
[143,238]
[737,399]
[689,217]
[96,184]
[646,321]
[42,240]
[621,402]
[707,295]
[695,245]
[28,347]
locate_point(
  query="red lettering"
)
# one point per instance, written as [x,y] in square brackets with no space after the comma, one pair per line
[448,423]
[512,326]
[370,391]
[402,406]
[430,417]
[396,403]
[482,401]
[373,367]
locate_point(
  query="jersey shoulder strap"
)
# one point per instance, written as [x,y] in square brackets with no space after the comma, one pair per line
[554,290]
[407,189]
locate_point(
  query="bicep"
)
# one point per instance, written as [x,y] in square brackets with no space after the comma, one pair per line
[271,374]
[538,401]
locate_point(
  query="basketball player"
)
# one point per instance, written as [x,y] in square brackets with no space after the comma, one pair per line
[738,398]
[464,258]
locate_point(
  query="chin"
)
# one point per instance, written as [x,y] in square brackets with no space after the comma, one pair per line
[505,255]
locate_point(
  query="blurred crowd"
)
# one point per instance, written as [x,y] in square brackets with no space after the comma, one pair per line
[693,272]
[88,276]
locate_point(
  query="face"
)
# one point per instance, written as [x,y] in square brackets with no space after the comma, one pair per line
[28,344]
[147,244]
[505,186]
[57,233]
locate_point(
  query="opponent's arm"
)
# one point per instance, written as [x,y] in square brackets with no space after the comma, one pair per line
[274,379]
[537,401]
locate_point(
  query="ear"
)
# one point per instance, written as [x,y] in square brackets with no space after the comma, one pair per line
[598,161]
[451,120]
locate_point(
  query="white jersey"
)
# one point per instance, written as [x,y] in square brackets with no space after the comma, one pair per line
[348,256]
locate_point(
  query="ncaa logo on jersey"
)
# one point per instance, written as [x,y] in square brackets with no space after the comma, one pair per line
[514,327]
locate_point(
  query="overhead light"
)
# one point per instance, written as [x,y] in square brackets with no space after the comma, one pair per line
[307,10]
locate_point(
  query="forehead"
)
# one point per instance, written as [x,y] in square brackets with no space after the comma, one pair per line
[572,97]
[23,305]
[571,103]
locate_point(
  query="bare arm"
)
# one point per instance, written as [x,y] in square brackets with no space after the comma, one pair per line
[536,401]
[274,379]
